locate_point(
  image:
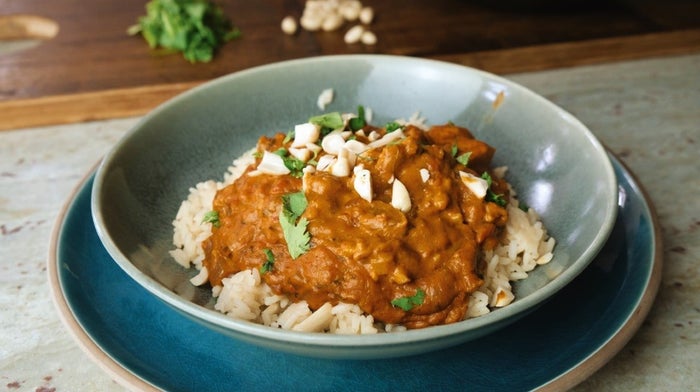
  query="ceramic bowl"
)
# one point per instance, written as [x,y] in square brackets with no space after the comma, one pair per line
[555,163]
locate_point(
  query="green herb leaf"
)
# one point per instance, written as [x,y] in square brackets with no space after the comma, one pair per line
[269,261]
[295,233]
[464,158]
[294,204]
[392,126]
[524,207]
[496,198]
[454,150]
[281,152]
[329,120]
[409,302]
[212,217]
[294,164]
[296,236]
[194,27]
[490,195]
[486,176]
[288,137]
[357,123]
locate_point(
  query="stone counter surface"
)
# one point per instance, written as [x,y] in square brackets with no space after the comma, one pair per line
[647,112]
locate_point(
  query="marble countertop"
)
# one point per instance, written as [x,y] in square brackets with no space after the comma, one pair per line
[647,112]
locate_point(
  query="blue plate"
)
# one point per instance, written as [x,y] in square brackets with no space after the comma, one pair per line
[146,344]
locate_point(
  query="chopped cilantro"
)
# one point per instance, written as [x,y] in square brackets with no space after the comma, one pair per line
[357,123]
[281,152]
[486,176]
[464,158]
[294,164]
[313,161]
[294,204]
[496,198]
[392,126]
[194,27]
[490,195]
[295,233]
[257,154]
[269,261]
[454,150]
[212,217]
[329,120]
[409,302]
[296,236]
[288,137]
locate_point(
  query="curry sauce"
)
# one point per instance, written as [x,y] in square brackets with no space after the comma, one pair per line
[365,252]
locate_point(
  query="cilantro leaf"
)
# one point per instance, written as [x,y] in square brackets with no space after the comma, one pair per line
[486,176]
[194,27]
[294,164]
[296,236]
[409,302]
[329,120]
[496,198]
[464,158]
[295,233]
[454,150]
[212,217]
[392,126]
[357,123]
[294,204]
[269,261]
[491,195]
[281,152]
[288,137]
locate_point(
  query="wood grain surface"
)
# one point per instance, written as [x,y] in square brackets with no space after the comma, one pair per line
[92,69]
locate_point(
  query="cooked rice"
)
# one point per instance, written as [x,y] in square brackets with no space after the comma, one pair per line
[245,296]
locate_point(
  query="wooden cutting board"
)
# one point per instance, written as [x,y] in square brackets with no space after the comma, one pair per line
[91,69]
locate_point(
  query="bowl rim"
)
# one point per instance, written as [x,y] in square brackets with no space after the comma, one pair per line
[243,327]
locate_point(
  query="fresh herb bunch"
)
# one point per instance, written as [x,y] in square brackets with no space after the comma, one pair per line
[194,27]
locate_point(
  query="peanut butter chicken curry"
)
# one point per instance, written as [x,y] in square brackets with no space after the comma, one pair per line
[411,260]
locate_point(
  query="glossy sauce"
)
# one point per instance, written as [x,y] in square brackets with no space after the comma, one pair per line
[369,253]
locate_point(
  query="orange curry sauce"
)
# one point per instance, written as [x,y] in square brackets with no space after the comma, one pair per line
[369,253]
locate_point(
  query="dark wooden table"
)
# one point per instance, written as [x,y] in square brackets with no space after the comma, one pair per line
[93,70]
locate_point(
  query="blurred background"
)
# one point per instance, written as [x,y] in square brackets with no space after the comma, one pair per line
[54,53]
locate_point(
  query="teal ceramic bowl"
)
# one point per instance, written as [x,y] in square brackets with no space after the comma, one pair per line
[555,163]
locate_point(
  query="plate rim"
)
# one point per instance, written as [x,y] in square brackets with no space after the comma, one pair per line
[570,378]
[65,312]
[615,343]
